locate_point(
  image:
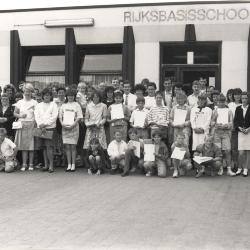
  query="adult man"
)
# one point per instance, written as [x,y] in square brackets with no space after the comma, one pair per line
[129,99]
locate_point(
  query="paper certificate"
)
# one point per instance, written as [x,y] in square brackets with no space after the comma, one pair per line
[139,120]
[137,150]
[202,159]
[178,154]
[200,119]
[69,117]
[149,152]
[180,116]
[117,112]
[222,117]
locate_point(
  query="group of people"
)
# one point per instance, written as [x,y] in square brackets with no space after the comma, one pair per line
[121,130]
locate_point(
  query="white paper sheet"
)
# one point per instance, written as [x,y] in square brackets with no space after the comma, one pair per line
[222,116]
[200,119]
[117,112]
[149,152]
[137,150]
[190,57]
[202,159]
[68,117]
[140,119]
[179,116]
[178,154]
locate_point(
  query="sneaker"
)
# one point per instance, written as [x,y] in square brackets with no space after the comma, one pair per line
[200,172]
[68,168]
[148,174]
[98,172]
[220,172]
[230,172]
[245,172]
[31,168]
[239,171]
[23,168]
[90,172]
[175,174]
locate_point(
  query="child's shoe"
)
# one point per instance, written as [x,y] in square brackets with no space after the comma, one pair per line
[68,168]
[148,174]
[98,172]
[175,174]
[239,171]
[220,172]
[23,168]
[230,172]
[73,168]
[31,167]
[245,172]
[90,172]
[200,172]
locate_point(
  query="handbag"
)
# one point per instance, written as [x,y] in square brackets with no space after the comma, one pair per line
[45,134]
[17,125]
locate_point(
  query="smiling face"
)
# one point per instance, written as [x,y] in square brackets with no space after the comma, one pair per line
[118,136]
[47,98]
[151,91]
[180,139]
[244,99]
[70,98]
[168,85]
[157,139]
[96,99]
[118,99]
[158,99]
[61,95]
[126,88]
[133,136]
[5,101]
[27,93]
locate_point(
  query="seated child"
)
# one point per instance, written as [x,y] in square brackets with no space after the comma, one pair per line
[95,157]
[116,151]
[8,153]
[131,160]
[161,157]
[208,148]
[180,166]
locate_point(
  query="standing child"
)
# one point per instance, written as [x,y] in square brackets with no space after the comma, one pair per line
[8,152]
[70,113]
[138,118]
[181,166]
[161,157]
[116,152]
[222,123]
[95,157]
[118,116]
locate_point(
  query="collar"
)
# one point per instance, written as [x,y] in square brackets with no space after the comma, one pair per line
[245,107]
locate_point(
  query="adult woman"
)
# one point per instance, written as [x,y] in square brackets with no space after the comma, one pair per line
[242,125]
[46,114]
[10,91]
[230,96]
[7,115]
[24,140]
[95,118]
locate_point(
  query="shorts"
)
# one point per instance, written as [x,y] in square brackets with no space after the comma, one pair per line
[223,140]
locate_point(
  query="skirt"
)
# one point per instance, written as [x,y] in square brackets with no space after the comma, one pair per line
[24,138]
[70,136]
[243,141]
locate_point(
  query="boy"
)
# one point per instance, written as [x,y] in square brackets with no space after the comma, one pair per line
[161,157]
[222,123]
[193,98]
[208,149]
[131,159]
[138,118]
[139,90]
[168,92]
[8,151]
[150,100]
[180,166]
[116,151]
[129,99]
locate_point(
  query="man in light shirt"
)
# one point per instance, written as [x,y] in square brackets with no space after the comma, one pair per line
[168,93]
[129,99]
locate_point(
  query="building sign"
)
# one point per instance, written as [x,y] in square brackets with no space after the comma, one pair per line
[189,14]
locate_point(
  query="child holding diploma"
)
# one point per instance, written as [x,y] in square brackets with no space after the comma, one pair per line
[118,116]
[212,154]
[116,152]
[180,117]
[138,118]
[222,124]
[70,114]
[182,162]
[157,159]
[133,155]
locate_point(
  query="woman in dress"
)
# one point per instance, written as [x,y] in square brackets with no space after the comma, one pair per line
[70,114]
[7,116]
[242,125]
[24,139]
[95,118]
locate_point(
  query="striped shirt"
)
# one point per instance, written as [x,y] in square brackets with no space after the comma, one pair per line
[158,115]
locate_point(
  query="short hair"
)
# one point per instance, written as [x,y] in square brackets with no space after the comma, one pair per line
[127,82]
[109,89]
[221,98]
[157,132]
[195,83]
[139,87]
[178,85]
[61,88]
[237,91]
[3,131]
[202,96]
[39,94]
[180,134]
[158,93]
[46,91]
[132,131]
[145,81]
[71,92]
[81,84]
[94,140]
[182,94]
[140,99]
[152,84]
[118,132]
[19,95]
[118,93]
[97,93]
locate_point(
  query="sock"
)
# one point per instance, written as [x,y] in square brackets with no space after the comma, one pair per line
[73,167]
[69,167]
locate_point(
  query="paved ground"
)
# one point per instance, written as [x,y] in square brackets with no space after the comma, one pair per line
[75,211]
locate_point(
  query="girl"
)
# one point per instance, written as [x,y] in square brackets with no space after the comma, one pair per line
[109,96]
[70,113]
[24,111]
[117,123]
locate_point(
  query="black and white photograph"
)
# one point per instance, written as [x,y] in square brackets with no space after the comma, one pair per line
[124,125]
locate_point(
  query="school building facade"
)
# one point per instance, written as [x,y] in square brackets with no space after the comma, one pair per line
[181,41]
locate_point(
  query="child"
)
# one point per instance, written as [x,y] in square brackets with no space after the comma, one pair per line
[150,100]
[208,149]
[180,166]
[131,159]
[118,124]
[184,127]
[193,98]
[138,118]
[222,127]
[81,96]
[116,152]
[8,151]
[95,157]
[70,132]
[161,157]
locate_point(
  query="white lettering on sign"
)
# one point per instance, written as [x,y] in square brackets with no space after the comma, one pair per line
[187,15]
